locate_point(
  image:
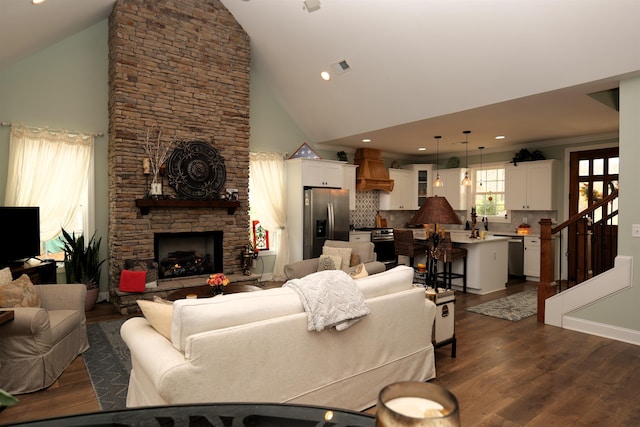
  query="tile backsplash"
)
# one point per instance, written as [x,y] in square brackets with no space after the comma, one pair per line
[368,205]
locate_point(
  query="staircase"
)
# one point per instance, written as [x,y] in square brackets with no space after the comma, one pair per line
[587,245]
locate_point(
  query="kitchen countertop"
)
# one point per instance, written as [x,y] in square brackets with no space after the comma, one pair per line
[512,234]
[462,237]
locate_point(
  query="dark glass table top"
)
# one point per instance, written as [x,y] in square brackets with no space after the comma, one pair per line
[216,415]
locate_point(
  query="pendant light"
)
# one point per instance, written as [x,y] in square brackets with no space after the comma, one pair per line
[438,182]
[481,148]
[466,181]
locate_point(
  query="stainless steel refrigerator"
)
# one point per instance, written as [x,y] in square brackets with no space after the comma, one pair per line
[326,217]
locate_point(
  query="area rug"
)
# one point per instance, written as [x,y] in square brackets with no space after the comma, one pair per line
[109,363]
[514,307]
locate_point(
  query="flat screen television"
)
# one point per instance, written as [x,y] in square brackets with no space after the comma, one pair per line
[21,233]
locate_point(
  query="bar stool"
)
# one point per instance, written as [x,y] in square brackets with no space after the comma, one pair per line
[405,244]
[447,253]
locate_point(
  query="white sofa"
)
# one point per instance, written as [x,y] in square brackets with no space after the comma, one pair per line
[255,347]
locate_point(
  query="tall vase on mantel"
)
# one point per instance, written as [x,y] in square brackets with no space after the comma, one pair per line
[156,187]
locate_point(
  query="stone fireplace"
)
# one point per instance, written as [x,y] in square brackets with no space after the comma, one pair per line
[181,66]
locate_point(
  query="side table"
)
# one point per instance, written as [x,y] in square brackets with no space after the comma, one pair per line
[444,327]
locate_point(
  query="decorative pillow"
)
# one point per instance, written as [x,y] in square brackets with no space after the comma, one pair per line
[5,276]
[159,315]
[355,260]
[19,293]
[359,272]
[148,265]
[329,262]
[344,253]
[132,281]
[161,300]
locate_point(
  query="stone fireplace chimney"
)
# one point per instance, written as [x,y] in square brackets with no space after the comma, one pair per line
[183,66]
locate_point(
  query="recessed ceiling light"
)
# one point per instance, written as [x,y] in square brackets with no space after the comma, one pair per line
[325,75]
[366,140]
[422,149]
[37,1]
[500,137]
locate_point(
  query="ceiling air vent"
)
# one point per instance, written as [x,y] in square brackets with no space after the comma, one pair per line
[311,5]
[341,67]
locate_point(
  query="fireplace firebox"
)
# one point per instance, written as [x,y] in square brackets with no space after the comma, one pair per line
[188,253]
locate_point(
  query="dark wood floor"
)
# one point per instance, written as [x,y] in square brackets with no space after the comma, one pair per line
[505,374]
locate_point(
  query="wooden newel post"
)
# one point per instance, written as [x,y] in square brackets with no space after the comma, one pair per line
[546,286]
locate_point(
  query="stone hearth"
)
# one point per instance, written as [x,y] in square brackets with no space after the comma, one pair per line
[183,66]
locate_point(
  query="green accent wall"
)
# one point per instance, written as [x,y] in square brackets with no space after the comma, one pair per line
[62,87]
[621,309]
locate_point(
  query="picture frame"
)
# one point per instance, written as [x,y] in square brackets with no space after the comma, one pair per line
[305,151]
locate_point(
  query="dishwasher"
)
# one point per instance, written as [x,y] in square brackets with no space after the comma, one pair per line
[516,255]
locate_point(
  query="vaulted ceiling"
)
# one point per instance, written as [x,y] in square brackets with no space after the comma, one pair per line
[416,68]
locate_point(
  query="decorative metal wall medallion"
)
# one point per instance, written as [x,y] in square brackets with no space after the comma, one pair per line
[196,171]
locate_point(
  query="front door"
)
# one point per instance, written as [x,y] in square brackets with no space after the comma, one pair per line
[593,175]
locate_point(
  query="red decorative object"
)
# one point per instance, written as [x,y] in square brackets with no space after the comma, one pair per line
[260,237]
[132,281]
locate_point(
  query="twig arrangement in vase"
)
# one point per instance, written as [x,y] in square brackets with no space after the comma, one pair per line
[157,152]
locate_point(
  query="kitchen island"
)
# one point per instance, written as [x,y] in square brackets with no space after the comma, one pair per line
[487,261]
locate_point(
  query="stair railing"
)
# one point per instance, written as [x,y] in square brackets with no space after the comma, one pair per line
[584,244]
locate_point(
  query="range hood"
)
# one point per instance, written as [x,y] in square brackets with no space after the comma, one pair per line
[372,175]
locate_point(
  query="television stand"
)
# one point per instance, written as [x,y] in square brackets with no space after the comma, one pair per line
[40,272]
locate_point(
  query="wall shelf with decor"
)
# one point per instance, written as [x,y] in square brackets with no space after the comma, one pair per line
[147,204]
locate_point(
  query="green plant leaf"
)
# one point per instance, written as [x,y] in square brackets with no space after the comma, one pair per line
[6,399]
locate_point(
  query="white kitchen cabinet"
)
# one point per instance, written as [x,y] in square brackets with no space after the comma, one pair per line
[423,176]
[403,196]
[455,193]
[349,172]
[359,236]
[530,186]
[532,258]
[317,173]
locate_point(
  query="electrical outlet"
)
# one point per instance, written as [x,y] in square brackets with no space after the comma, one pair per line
[524,220]
[635,230]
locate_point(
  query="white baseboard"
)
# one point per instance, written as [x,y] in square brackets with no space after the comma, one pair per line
[602,330]
[559,306]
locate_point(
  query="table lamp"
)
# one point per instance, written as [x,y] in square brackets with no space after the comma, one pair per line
[435,210]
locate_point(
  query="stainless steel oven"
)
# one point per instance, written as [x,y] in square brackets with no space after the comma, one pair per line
[382,239]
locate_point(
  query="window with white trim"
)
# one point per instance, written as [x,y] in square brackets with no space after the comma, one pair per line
[489,198]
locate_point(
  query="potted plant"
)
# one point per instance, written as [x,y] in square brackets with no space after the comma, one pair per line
[82,263]
[6,400]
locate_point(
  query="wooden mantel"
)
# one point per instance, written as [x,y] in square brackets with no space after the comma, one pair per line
[146,204]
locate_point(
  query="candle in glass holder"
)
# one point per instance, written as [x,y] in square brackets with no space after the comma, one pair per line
[416,407]
[416,404]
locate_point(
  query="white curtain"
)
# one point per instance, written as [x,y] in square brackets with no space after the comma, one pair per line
[267,198]
[48,169]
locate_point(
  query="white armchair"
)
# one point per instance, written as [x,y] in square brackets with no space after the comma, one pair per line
[39,343]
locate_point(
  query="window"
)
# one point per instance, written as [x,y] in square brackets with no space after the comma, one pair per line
[489,192]
[42,161]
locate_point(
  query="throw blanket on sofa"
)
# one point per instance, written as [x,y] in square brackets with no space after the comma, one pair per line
[331,298]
